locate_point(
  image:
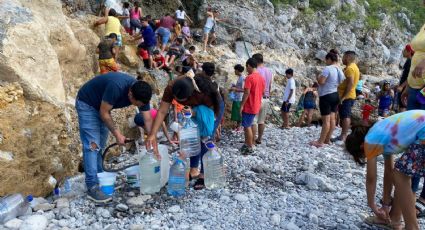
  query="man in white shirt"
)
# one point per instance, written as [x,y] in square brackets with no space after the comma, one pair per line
[288,97]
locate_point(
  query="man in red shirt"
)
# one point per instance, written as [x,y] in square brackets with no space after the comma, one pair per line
[251,102]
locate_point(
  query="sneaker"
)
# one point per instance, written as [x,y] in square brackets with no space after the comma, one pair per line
[96,195]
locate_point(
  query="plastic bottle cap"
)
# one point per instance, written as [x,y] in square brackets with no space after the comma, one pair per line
[56,191]
[30,198]
[187,114]
[210,145]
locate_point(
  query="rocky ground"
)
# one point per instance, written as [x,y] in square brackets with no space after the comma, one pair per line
[286,184]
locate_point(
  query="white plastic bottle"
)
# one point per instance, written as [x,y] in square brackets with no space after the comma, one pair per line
[213,168]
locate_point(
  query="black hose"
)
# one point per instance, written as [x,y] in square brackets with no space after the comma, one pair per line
[105,153]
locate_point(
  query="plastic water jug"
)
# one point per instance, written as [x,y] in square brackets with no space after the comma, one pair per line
[213,168]
[177,181]
[190,141]
[165,160]
[150,173]
[13,206]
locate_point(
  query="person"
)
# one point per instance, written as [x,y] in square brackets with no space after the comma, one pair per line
[288,97]
[309,103]
[151,22]
[177,32]
[359,87]
[126,18]
[94,103]
[251,103]
[112,25]
[149,40]
[107,54]
[260,119]
[186,33]
[385,98]
[238,90]
[176,50]
[159,61]
[182,16]
[135,16]
[209,28]
[347,93]
[401,133]
[408,53]
[328,81]
[166,25]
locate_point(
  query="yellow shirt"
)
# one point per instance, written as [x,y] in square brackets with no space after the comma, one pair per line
[113,26]
[351,71]
[418,45]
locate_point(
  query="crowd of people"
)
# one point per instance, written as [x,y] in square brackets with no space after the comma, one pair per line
[167,44]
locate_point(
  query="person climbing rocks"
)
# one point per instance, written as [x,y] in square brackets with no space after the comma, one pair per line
[238,90]
[328,81]
[385,100]
[251,103]
[175,51]
[186,33]
[347,93]
[260,120]
[309,104]
[166,25]
[94,103]
[181,16]
[112,25]
[202,95]
[149,40]
[126,18]
[107,54]
[401,133]
[135,15]
[209,28]
[408,53]
[288,97]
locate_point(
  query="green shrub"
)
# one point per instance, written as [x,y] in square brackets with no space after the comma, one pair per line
[322,4]
[346,14]
[373,22]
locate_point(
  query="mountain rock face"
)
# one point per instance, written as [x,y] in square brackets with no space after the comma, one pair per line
[47,51]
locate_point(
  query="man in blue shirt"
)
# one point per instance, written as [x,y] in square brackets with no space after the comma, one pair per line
[149,39]
[95,101]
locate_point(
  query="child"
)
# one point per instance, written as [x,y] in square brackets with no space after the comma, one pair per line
[144,55]
[385,98]
[186,33]
[107,54]
[188,58]
[176,50]
[403,132]
[177,31]
[138,120]
[288,97]
[238,89]
[159,61]
[309,103]
[126,18]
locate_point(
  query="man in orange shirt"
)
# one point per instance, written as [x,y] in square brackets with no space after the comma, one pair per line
[251,102]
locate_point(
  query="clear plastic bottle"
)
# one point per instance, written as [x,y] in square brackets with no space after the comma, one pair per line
[150,173]
[13,206]
[213,168]
[177,180]
[190,140]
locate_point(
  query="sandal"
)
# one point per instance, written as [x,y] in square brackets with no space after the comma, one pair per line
[258,142]
[199,184]
[377,222]
[420,208]
[316,144]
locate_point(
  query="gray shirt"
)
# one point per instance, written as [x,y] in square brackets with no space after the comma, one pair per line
[334,76]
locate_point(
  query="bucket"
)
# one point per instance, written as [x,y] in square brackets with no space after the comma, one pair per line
[107,182]
[132,175]
[175,127]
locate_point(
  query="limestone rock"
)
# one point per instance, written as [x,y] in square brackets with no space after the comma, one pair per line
[13,223]
[35,222]
[128,56]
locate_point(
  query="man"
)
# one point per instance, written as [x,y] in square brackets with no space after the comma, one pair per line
[251,103]
[94,103]
[112,25]
[260,119]
[288,97]
[149,40]
[347,93]
[166,25]
[408,53]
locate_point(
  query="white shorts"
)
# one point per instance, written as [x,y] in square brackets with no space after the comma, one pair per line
[264,111]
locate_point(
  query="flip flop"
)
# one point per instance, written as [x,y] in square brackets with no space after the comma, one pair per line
[375,221]
[199,184]
[420,207]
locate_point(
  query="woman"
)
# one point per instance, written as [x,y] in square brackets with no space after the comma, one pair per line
[135,16]
[194,92]
[403,132]
[209,28]
[328,81]
[310,96]
[181,16]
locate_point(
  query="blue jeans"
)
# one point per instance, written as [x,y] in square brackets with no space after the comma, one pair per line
[94,135]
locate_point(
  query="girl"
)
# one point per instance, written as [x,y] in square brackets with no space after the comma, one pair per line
[135,16]
[310,96]
[395,134]
[385,98]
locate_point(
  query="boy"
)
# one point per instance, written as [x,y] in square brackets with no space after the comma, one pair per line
[238,91]
[288,97]
[176,50]
[149,39]
[107,54]
[251,103]
[159,61]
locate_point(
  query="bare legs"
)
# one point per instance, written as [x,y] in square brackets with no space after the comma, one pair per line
[328,127]
[405,199]
[249,138]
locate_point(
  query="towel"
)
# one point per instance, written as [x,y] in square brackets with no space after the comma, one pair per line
[205,120]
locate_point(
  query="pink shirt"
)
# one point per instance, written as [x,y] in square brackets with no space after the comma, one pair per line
[268,78]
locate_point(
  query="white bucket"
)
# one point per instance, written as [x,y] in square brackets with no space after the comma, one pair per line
[107,182]
[175,127]
[133,176]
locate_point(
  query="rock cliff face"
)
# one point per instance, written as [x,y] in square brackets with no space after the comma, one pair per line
[47,51]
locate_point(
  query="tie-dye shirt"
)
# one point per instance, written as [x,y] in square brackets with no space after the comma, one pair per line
[394,134]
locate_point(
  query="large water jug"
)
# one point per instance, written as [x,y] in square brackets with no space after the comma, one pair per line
[165,160]
[150,173]
[13,206]
[177,181]
[190,141]
[213,168]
